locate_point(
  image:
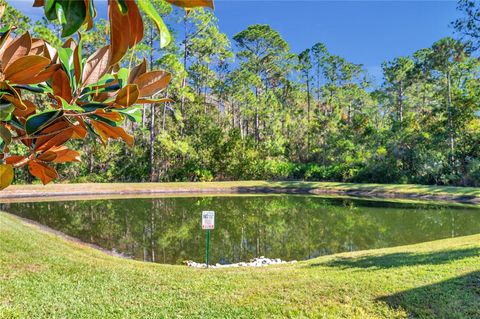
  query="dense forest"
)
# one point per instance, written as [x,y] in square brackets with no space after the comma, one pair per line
[250,108]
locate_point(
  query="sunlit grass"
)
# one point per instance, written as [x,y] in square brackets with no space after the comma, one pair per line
[45,276]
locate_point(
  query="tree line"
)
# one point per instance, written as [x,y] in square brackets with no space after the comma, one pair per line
[250,108]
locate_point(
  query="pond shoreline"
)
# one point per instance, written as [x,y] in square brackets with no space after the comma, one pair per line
[466,195]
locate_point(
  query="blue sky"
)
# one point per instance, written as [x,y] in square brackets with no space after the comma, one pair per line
[366,32]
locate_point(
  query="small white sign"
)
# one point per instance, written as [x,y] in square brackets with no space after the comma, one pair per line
[208,220]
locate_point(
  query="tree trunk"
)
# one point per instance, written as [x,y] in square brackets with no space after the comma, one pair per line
[450,120]
[152,142]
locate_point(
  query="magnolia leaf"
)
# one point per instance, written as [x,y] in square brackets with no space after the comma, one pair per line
[64,154]
[152,101]
[71,14]
[61,86]
[29,110]
[5,135]
[192,3]
[67,60]
[50,139]
[6,175]
[36,122]
[138,70]
[38,46]
[134,113]
[122,77]
[38,3]
[14,159]
[119,32]
[35,88]
[23,69]
[20,47]
[106,131]
[91,14]
[152,82]
[70,107]
[136,22]
[47,156]
[77,60]
[14,98]
[148,8]
[89,107]
[96,66]
[128,95]
[49,8]
[6,110]
[111,118]
[80,130]
[126,28]
[45,75]
[42,171]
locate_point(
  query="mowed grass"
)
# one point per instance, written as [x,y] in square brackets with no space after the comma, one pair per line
[45,276]
[402,190]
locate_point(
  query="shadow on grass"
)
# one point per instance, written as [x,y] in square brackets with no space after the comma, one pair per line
[402,259]
[458,297]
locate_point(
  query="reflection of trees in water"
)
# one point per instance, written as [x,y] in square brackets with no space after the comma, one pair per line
[290,227]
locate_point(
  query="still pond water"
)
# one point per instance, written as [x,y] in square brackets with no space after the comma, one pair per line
[168,230]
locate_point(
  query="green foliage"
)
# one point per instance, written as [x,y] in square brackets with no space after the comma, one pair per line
[278,115]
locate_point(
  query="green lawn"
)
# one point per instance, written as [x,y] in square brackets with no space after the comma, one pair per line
[44,276]
[469,194]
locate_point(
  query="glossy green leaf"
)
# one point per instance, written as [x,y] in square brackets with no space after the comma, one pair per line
[6,109]
[66,59]
[70,107]
[35,88]
[104,120]
[148,8]
[37,122]
[71,14]
[133,113]
[123,6]
[93,106]
[49,8]
[122,76]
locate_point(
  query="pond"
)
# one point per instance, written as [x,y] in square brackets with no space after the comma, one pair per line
[290,227]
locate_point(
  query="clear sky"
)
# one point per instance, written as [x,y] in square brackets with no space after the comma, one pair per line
[366,32]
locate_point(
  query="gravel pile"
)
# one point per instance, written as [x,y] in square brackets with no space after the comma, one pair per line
[256,262]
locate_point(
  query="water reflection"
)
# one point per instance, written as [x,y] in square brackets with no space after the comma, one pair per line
[168,230]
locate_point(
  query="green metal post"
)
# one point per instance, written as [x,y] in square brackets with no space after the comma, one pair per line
[208,242]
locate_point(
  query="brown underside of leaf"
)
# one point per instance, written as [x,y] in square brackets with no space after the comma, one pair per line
[42,171]
[192,3]
[137,70]
[61,85]
[106,131]
[152,82]
[23,69]
[128,95]
[96,66]
[20,47]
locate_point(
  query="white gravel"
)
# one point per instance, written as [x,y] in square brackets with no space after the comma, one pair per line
[256,262]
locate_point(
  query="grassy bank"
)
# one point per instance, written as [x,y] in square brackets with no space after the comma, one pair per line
[45,276]
[464,194]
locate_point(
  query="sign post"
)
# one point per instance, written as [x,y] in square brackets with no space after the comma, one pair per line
[208,223]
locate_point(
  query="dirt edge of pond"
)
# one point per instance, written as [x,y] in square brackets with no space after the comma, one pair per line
[72,191]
